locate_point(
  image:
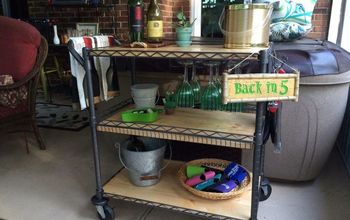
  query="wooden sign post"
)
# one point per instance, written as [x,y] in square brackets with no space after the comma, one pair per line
[260,87]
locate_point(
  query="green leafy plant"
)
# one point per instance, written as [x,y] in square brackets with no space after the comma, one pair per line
[170,100]
[170,105]
[182,20]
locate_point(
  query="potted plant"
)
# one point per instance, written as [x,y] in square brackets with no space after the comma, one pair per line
[170,107]
[169,102]
[183,30]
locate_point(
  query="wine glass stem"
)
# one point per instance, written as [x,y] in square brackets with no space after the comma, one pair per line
[217,72]
[194,72]
[186,74]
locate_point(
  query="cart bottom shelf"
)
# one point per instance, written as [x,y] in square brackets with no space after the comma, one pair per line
[169,194]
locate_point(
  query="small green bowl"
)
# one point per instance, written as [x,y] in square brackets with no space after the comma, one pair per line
[141,115]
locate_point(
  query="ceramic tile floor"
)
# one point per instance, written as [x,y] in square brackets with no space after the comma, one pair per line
[58,183]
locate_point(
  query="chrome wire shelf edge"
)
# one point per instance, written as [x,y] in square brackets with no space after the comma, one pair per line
[172,54]
[169,207]
[186,134]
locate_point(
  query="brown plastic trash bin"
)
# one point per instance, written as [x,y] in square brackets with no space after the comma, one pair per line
[309,128]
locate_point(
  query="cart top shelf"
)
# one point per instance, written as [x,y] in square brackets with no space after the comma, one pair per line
[229,129]
[213,52]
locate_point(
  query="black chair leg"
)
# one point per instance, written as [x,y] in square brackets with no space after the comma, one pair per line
[26,140]
[37,135]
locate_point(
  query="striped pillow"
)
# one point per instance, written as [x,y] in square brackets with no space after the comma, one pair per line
[298,11]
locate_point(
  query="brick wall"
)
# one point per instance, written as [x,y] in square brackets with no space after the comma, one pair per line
[68,16]
[113,18]
[320,19]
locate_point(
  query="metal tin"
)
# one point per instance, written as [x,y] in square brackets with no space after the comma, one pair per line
[246,25]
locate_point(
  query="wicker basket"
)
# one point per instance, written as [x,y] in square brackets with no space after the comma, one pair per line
[218,164]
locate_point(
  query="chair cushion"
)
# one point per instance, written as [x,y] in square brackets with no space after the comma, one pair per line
[6,80]
[12,98]
[21,41]
[7,111]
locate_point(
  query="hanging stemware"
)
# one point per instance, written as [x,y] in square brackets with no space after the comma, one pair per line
[211,98]
[217,78]
[184,93]
[234,107]
[196,88]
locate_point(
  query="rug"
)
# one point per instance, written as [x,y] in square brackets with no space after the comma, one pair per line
[61,117]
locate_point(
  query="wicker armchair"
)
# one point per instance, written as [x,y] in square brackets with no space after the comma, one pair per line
[21,117]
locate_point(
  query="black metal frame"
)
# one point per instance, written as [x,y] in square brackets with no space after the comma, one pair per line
[258,162]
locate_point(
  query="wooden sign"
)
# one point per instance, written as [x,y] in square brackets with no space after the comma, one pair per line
[260,87]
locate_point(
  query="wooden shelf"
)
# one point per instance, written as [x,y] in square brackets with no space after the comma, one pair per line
[229,129]
[168,193]
[214,52]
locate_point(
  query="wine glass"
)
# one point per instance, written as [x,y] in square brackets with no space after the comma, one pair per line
[211,97]
[184,93]
[233,107]
[196,88]
[217,78]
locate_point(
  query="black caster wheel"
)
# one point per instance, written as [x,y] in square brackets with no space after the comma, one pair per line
[265,191]
[105,213]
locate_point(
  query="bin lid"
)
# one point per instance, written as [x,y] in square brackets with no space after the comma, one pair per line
[313,57]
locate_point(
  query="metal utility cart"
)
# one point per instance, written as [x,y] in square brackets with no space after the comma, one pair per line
[237,130]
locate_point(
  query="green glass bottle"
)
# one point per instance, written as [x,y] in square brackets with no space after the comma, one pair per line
[136,19]
[154,23]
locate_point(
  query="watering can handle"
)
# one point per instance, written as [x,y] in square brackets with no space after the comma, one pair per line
[170,156]
[221,21]
[117,145]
